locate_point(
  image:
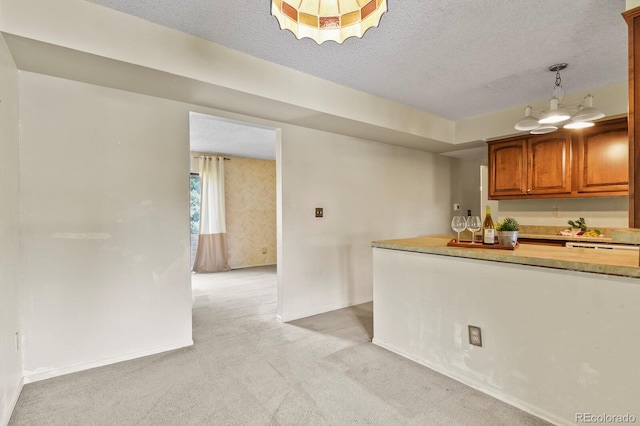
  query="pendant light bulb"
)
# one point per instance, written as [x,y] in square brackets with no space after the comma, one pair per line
[544,129]
[578,124]
[588,112]
[554,115]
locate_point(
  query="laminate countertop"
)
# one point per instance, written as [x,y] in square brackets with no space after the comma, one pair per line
[621,263]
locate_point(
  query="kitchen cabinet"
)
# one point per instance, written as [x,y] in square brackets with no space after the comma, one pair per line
[529,167]
[633,21]
[549,166]
[603,159]
[508,168]
[590,162]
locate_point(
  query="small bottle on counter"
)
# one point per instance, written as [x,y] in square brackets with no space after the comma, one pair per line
[488,228]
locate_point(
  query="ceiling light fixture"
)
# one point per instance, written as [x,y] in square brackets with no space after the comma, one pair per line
[323,20]
[548,121]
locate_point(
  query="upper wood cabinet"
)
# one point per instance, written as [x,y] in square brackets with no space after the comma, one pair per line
[603,159]
[549,165]
[564,164]
[530,166]
[508,168]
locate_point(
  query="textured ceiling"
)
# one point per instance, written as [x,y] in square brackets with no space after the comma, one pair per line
[452,58]
[221,136]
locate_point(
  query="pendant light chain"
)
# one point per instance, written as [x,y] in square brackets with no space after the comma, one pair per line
[558,90]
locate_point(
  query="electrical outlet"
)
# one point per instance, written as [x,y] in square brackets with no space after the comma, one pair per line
[264,250]
[475,335]
[319,212]
[456,207]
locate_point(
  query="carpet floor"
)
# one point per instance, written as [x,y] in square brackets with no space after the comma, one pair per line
[246,368]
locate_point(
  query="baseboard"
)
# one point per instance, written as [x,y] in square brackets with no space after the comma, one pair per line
[12,404]
[36,377]
[321,310]
[523,405]
[252,266]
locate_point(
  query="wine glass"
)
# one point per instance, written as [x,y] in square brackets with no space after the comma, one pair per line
[458,224]
[473,224]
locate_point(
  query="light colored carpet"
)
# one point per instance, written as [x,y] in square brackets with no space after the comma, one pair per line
[248,369]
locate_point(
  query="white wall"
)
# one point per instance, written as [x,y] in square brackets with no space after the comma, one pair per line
[555,343]
[607,212]
[465,182]
[10,362]
[368,191]
[105,225]
[106,240]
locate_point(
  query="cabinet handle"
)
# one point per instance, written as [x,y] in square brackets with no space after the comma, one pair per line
[528,190]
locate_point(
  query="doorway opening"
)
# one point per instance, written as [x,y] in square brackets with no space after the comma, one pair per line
[250,187]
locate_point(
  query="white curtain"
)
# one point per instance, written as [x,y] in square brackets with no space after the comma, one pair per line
[211,254]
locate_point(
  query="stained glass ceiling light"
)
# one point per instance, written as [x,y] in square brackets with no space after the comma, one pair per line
[323,20]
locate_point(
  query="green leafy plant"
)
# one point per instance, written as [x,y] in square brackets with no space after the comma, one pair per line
[580,224]
[508,224]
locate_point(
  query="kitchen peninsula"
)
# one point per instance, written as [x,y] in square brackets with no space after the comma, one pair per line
[559,326]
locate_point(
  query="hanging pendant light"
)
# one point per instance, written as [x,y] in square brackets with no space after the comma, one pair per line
[543,129]
[554,115]
[528,122]
[587,112]
[323,20]
[579,125]
[549,120]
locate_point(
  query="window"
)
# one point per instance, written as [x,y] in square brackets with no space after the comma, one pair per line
[194,200]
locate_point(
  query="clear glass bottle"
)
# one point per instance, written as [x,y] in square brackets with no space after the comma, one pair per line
[488,228]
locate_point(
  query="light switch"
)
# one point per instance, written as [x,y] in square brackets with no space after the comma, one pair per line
[319,212]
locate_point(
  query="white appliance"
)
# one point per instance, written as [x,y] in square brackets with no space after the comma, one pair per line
[601,246]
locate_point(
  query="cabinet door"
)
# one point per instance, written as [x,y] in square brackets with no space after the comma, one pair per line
[603,159]
[549,164]
[507,168]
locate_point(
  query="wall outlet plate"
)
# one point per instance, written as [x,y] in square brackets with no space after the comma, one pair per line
[456,207]
[319,212]
[475,335]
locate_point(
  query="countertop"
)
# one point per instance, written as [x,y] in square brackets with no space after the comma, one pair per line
[621,263]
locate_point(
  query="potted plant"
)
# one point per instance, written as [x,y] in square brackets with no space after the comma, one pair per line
[507,231]
[578,227]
